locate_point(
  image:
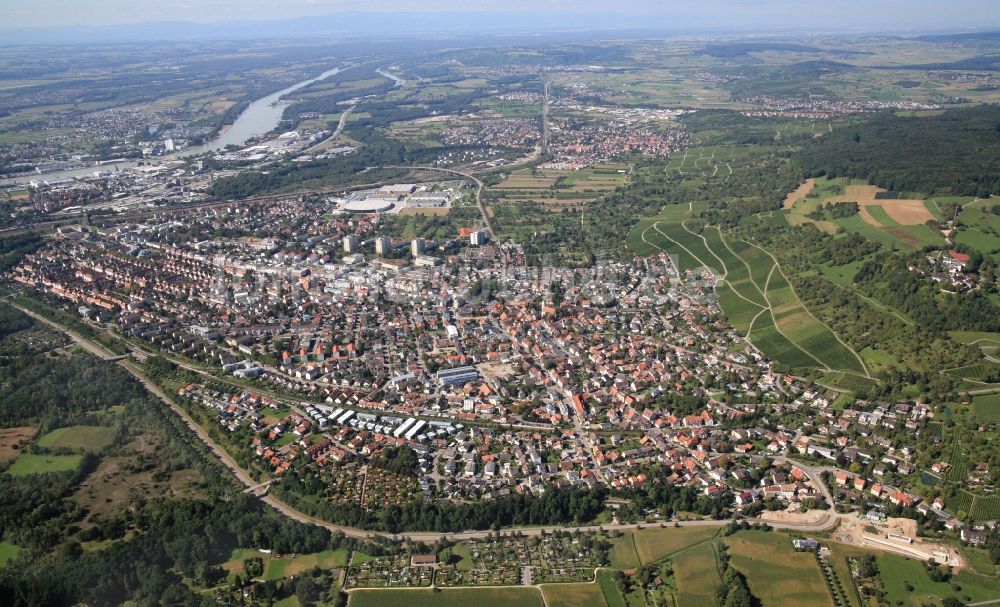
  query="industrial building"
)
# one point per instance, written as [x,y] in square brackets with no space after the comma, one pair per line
[458,375]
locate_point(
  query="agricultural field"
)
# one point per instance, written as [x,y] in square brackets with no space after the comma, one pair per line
[654,544]
[447,597]
[613,597]
[558,189]
[574,595]
[895,221]
[778,575]
[697,576]
[78,438]
[30,463]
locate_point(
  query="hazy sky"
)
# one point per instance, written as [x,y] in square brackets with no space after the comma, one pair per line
[855,14]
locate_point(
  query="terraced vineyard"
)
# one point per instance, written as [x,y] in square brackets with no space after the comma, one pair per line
[753,293]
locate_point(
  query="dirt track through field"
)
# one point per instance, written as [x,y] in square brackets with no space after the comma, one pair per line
[800,192]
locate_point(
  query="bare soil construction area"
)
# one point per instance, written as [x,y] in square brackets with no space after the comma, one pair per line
[793,516]
[896,535]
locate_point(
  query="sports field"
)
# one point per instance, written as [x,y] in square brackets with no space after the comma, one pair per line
[778,575]
[78,438]
[447,597]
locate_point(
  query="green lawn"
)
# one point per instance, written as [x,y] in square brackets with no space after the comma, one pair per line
[28,463]
[447,597]
[778,575]
[8,551]
[78,438]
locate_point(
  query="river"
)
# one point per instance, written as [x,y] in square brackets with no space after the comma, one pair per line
[260,117]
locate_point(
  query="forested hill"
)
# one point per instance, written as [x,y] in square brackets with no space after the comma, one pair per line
[957,151]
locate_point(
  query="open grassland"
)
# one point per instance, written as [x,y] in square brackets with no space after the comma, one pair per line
[29,463]
[447,597]
[623,554]
[657,543]
[278,567]
[11,437]
[980,228]
[8,552]
[986,408]
[78,438]
[697,577]
[574,595]
[898,573]
[612,597]
[778,575]
[558,188]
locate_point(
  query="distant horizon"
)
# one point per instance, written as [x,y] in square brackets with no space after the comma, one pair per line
[401,24]
[69,20]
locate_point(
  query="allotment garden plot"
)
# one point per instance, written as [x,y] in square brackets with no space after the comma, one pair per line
[503,561]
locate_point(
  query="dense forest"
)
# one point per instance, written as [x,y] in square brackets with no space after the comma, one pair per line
[955,152]
[889,279]
[555,506]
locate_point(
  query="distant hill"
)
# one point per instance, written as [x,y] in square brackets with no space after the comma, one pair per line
[957,151]
[742,49]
